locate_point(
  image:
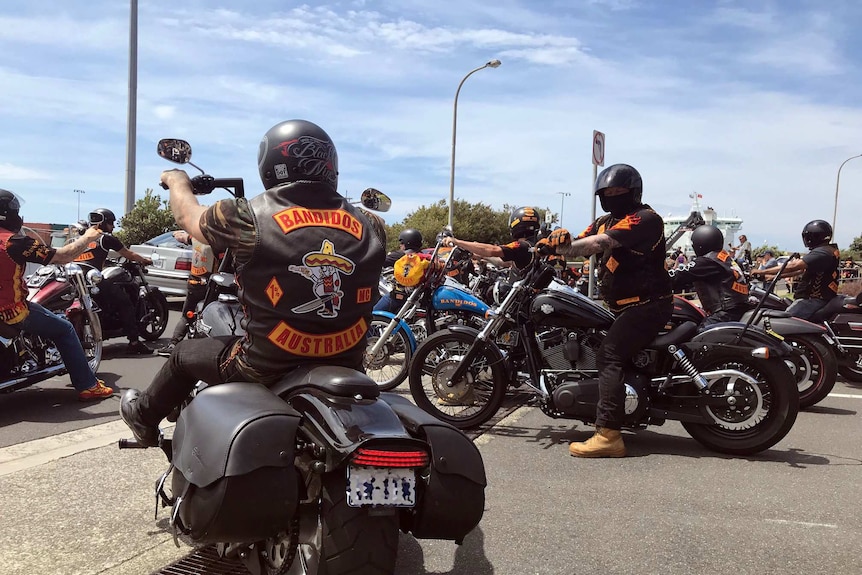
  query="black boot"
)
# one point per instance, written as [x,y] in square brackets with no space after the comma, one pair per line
[130,411]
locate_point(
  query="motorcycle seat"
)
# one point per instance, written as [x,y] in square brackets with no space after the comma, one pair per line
[680,333]
[331,379]
[774,313]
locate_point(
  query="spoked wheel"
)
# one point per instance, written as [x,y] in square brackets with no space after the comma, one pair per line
[472,400]
[338,538]
[762,404]
[388,367]
[815,369]
[152,315]
[851,368]
[87,327]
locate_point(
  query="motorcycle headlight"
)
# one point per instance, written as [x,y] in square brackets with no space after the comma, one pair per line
[94,276]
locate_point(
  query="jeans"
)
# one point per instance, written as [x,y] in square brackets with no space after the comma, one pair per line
[806,308]
[633,329]
[58,329]
[194,295]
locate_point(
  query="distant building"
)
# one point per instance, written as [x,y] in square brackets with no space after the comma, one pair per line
[728,225]
[55,235]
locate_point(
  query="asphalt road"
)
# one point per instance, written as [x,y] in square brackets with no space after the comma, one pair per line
[72,504]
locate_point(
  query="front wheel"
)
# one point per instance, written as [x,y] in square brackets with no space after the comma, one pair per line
[764,407]
[814,368]
[388,367]
[851,368]
[472,400]
[152,315]
[89,329]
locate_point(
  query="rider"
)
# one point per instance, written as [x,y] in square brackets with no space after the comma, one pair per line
[16,249]
[818,268]
[204,263]
[523,225]
[634,284]
[409,242]
[308,263]
[111,295]
[718,279]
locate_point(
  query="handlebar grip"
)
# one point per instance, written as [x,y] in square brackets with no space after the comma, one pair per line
[130,444]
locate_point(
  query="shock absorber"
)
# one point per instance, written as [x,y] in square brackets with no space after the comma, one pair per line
[688,367]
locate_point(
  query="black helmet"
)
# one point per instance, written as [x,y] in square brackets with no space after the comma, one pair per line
[524,222]
[705,239]
[9,208]
[103,218]
[412,239]
[619,176]
[297,150]
[816,233]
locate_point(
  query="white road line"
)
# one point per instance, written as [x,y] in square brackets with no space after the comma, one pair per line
[846,395]
[802,523]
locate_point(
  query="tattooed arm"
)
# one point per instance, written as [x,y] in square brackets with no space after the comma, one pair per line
[588,246]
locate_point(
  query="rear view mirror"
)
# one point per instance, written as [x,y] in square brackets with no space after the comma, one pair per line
[173,150]
[375,200]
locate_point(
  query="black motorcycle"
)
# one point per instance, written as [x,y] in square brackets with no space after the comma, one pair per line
[150,304]
[318,472]
[728,386]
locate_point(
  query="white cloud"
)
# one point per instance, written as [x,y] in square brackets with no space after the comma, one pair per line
[12,172]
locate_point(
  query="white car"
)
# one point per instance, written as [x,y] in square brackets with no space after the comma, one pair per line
[171,272]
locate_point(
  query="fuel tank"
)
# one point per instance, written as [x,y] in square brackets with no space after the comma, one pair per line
[553,308]
[451,298]
[684,310]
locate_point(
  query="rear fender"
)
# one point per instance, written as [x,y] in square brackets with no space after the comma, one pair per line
[402,326]
[729,334]
[791,326]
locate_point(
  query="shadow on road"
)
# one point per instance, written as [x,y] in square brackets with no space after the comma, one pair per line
[45,405]
[470,557]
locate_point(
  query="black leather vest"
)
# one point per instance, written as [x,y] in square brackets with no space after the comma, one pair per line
[729,293]
[310,285]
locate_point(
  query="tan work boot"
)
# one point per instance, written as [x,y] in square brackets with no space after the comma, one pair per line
[605,443]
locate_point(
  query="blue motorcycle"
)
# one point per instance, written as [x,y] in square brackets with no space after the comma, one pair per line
[435,303]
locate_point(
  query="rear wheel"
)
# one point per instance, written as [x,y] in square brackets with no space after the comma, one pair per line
[851,368]
[815,369]
[388,367]
[472,400]
[764,407]
[152,315]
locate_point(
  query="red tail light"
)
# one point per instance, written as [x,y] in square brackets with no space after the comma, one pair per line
[183,265]
[385,458]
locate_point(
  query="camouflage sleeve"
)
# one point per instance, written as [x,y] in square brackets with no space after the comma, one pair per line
[23,249]
[377,224]
[230,224]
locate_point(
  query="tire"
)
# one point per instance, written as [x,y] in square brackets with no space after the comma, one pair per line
[815,370]
[775,412]
[389,367]
[86,333]
[473,400]
[348,539]
[851,368]
[152,315]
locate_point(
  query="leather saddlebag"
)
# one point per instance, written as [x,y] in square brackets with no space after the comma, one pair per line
[234,478]
[452,499]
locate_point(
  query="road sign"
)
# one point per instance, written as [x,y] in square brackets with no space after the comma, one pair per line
[598,148]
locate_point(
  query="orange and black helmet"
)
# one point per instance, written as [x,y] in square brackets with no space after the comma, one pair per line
[524,222]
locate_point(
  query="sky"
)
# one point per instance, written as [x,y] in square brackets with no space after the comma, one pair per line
[752,104]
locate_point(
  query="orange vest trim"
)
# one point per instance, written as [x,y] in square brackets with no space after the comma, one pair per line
[292,219]
[317,345]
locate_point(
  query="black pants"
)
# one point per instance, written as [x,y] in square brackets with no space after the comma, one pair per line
[115,298]
[633,330]
[194,295]
[722,316]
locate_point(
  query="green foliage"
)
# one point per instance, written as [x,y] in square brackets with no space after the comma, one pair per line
[475,222]
[855,248]
[149,217]
[758,251]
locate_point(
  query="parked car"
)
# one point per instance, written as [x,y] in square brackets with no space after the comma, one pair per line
[171,272]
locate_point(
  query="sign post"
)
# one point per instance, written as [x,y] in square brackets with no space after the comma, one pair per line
[598,160]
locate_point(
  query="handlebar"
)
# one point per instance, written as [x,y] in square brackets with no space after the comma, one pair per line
[202,185]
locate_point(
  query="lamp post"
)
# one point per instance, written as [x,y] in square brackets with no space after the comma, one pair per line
[491,64]
[838,179]
[79,192]
[562,203]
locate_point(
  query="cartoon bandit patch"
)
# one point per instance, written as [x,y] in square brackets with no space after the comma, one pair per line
[323,269]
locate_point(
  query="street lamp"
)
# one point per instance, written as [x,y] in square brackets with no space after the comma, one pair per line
[562,203]
[79,192]
[838,179]
[491,64]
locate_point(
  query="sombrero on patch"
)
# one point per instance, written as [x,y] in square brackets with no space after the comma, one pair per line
[327,257]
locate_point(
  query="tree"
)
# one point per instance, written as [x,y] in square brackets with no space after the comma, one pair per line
[149,217]
[856,247]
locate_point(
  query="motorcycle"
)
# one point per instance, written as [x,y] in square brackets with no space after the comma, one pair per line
[728,386]
[25,358]
[318,472]
[437,301]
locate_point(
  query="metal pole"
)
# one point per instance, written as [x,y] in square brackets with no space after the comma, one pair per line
[132,122]
[562,204]
[491,64]
[79,192]
[837,180]
[591,290]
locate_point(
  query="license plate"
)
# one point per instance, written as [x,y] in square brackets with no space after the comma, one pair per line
[159,263]
[381,486]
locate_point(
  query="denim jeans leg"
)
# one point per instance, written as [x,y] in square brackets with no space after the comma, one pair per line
[42,322]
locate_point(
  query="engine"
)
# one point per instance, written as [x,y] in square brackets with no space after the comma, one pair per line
[564,350]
